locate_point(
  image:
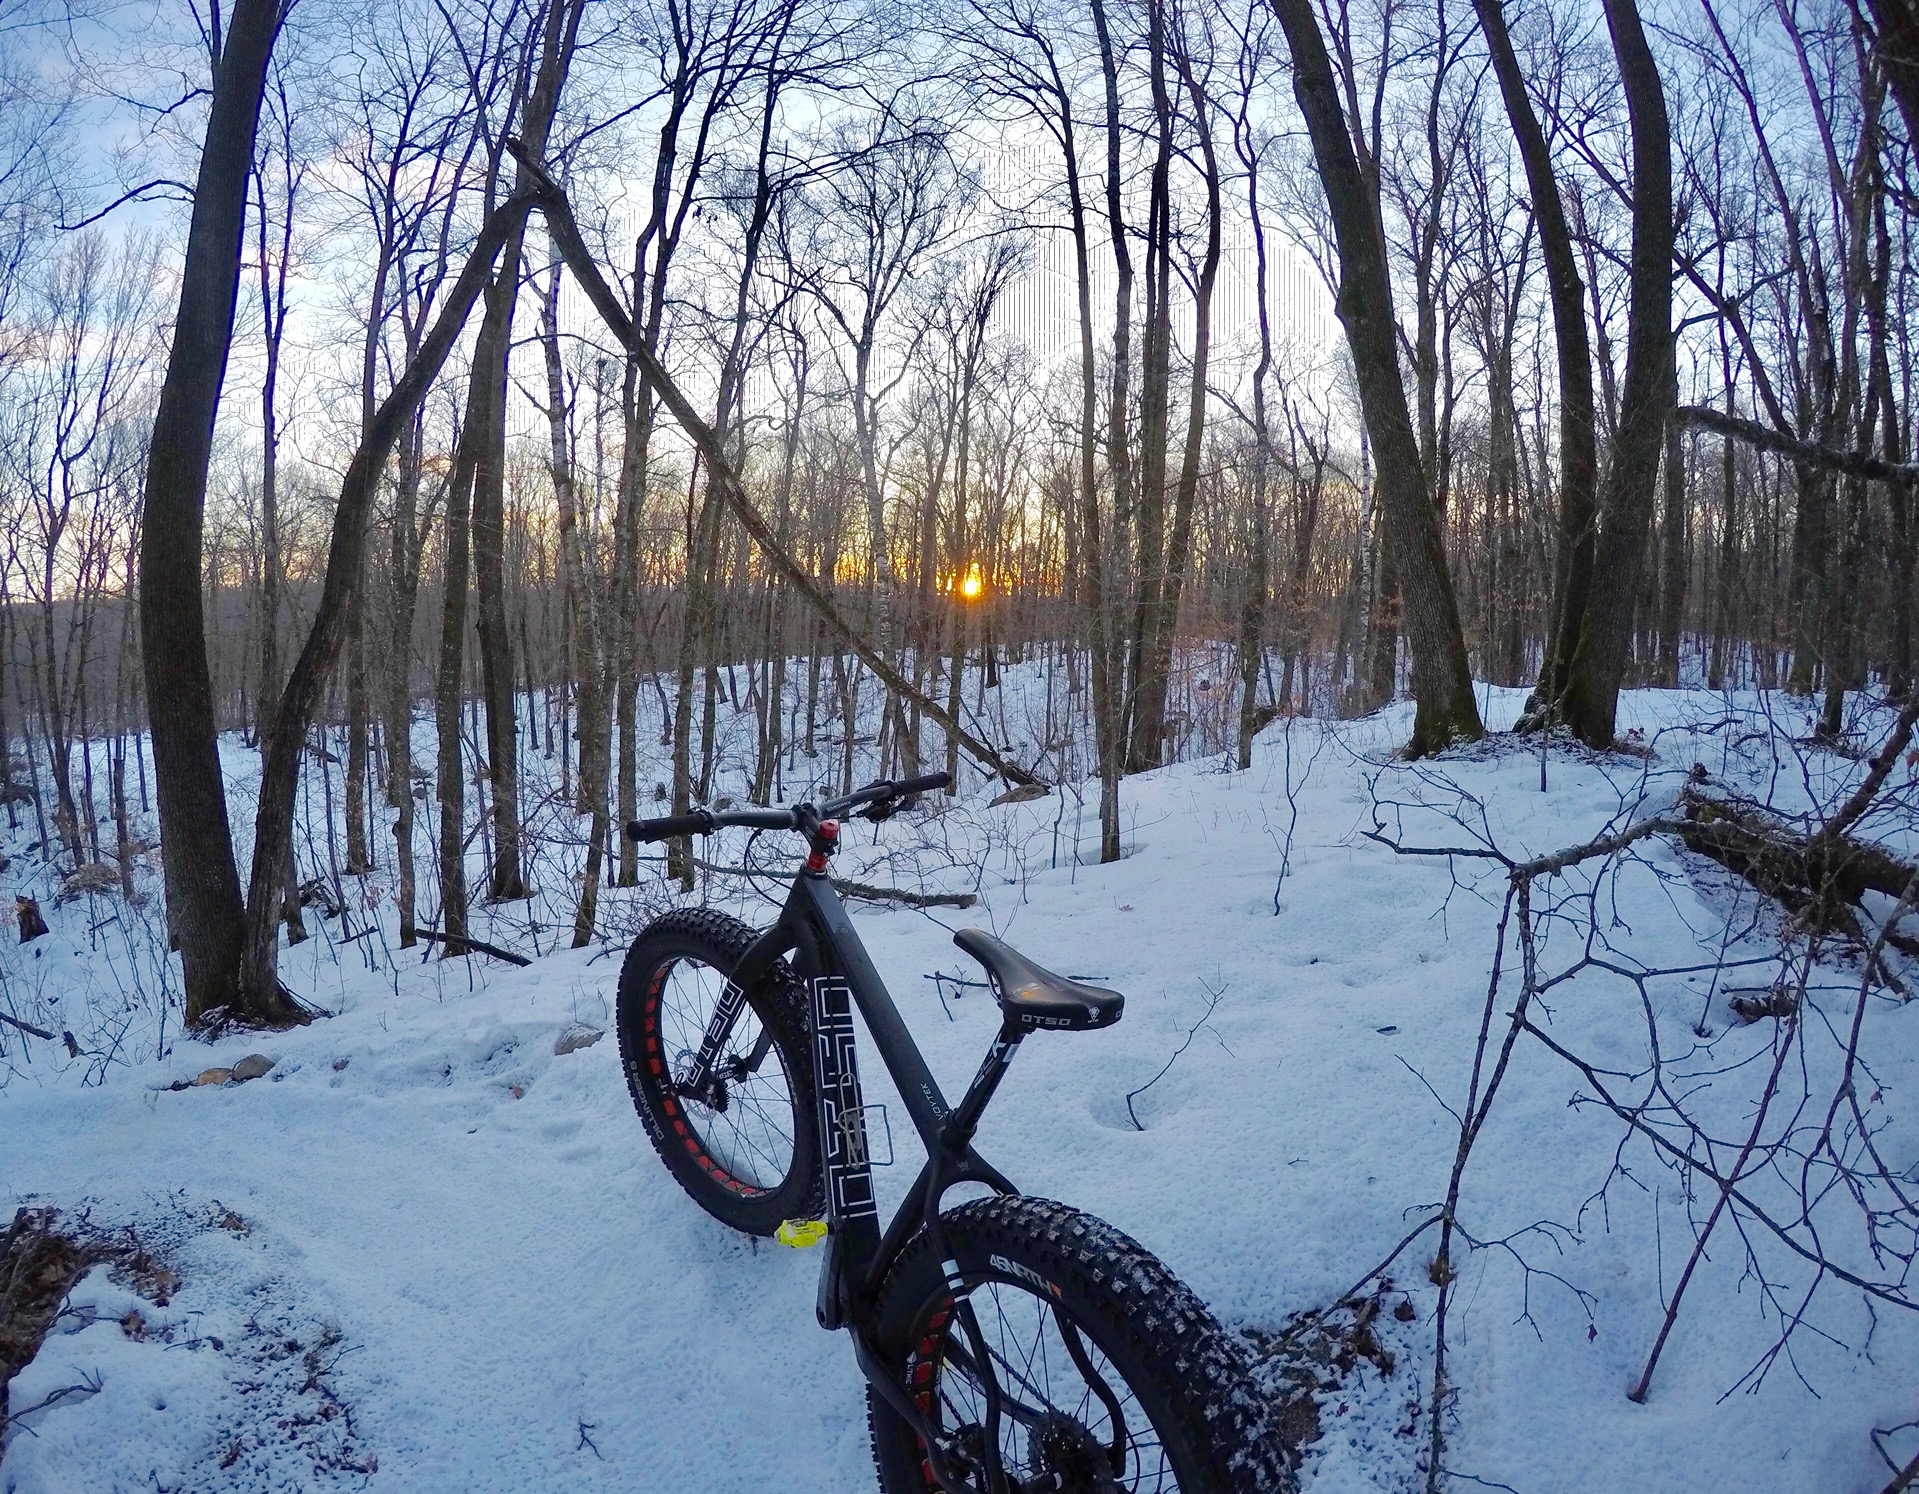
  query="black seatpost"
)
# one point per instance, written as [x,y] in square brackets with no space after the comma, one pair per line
[965,1119]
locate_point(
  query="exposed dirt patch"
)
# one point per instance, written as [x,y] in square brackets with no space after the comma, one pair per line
[1308,1366]
[40,1261]
[279,1420]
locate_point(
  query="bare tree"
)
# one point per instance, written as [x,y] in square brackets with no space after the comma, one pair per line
[1442,684]
[203,885]
[1595,641]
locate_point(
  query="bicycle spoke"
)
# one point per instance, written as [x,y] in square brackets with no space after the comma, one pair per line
[1033,1370]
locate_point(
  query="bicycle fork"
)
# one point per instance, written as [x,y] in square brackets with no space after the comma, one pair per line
[698,1082]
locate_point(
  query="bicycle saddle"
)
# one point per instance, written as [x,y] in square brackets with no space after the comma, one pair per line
[1034,997]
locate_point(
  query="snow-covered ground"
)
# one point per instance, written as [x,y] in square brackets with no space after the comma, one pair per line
[426,1252]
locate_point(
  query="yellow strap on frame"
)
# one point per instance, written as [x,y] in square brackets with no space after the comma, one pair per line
[799,1233]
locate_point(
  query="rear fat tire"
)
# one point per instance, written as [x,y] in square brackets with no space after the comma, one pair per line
[1189,1377]
[701,936]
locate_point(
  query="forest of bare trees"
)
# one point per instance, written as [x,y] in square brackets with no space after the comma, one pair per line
[390,391]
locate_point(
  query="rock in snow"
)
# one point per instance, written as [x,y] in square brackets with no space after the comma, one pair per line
[250,1067]
[575,1036]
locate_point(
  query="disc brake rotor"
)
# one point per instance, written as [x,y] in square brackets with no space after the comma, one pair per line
[1068,1459]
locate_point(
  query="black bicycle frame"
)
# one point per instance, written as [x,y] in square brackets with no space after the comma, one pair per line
[838,977]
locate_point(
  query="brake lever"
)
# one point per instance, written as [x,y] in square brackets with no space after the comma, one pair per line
[885,809]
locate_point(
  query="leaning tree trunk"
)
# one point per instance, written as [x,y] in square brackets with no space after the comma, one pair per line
[733,494]
[203,885]
[507,881]
[1445,708]
[346,559]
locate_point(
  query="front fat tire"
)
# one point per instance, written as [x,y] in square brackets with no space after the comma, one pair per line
[1191,1379]
[701,936]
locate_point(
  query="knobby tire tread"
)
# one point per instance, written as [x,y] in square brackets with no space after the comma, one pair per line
[1201,1373]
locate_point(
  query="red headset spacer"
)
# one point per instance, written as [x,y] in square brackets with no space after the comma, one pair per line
[829,832]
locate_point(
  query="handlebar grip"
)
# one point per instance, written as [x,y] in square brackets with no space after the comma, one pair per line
[699,822]
[923,784]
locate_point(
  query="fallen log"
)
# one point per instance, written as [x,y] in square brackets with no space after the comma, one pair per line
[26,1027]
[1821,877]
[39,1265]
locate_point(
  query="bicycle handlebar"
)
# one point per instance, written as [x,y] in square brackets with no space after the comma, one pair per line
[884,789]
[706,821]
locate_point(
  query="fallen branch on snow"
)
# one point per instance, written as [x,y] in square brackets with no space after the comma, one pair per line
[460,944]
[864,891]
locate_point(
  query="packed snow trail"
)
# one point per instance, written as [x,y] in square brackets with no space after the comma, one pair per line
[514,1295]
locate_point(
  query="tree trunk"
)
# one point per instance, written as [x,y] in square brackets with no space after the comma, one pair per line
[1150,711]
[1597,667]
[1446,710]
[701,540]
[1578,445]
[450,770]
[404,582]
[1144,692]
[1897,49]
[1672,555]
[583,631]
[359,732]
[203,885]
[1107,562]
[636,409]
[1382,663]
[346,553]
[506,880]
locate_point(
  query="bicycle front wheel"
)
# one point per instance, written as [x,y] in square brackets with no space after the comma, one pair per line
[1107,1375]
[742,1138]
